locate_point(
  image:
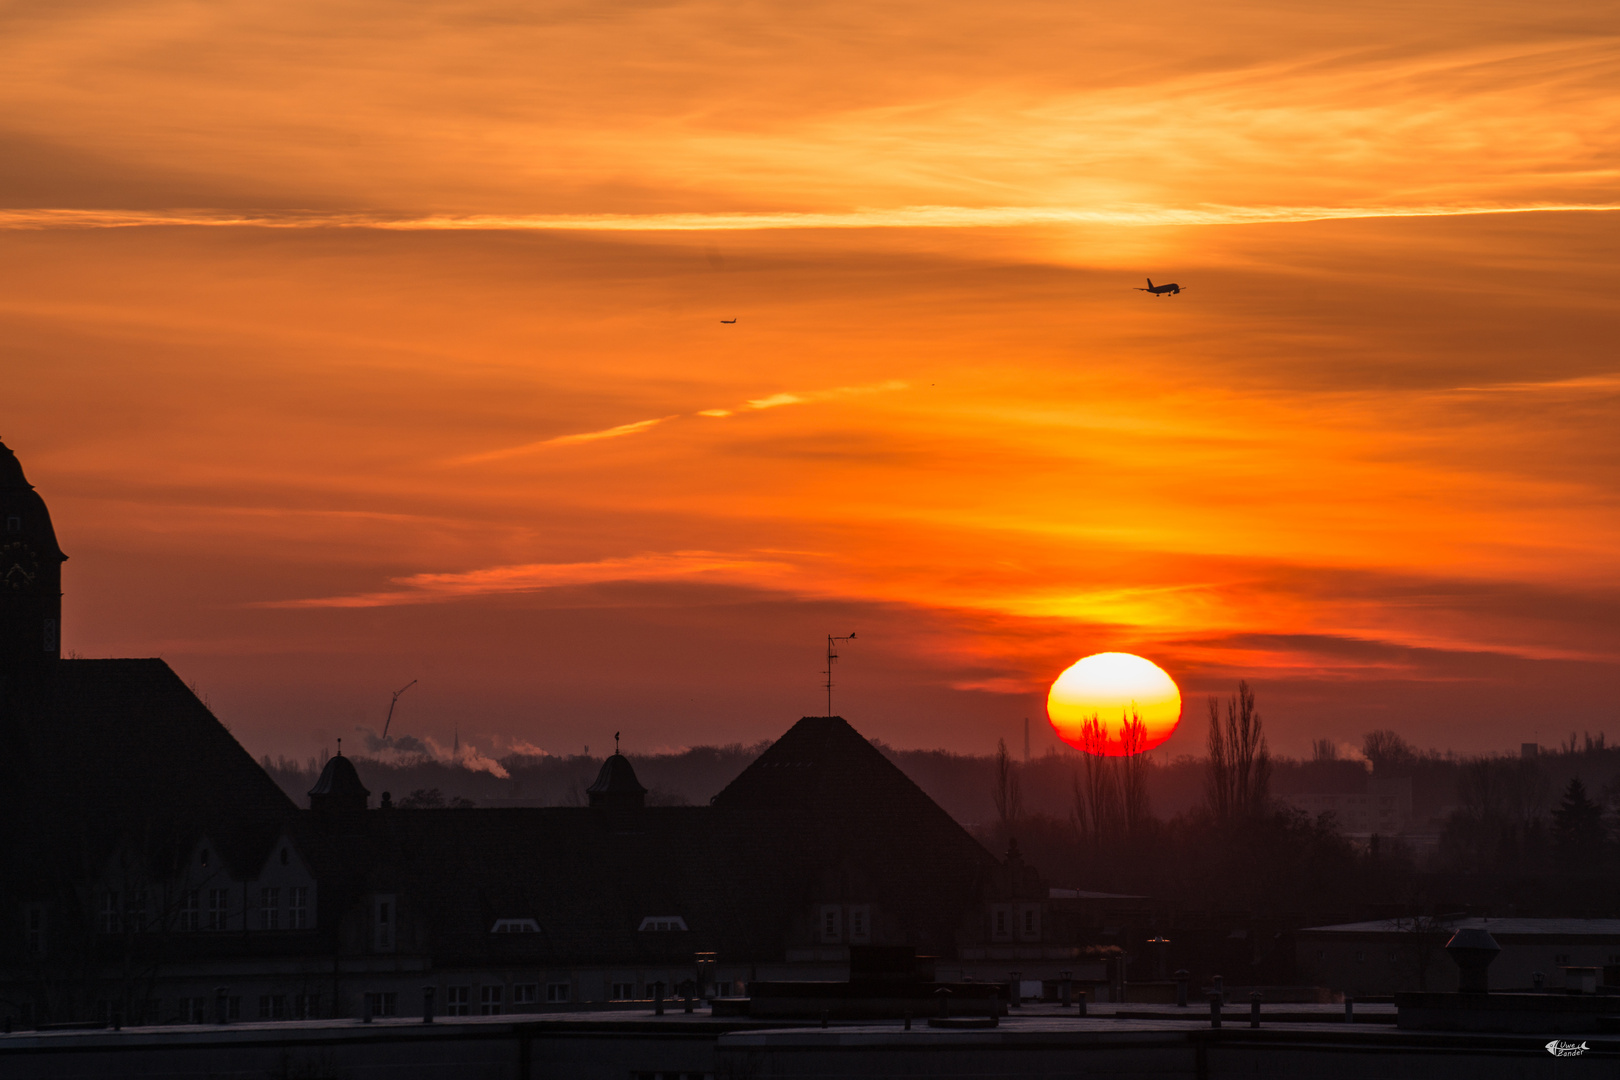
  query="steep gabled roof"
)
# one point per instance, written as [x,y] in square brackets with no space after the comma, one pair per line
[110,752]
[823,816]
[824,767]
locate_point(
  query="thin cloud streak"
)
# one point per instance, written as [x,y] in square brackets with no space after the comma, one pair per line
[532,577]
[773,401]
[904,217]
[565,440]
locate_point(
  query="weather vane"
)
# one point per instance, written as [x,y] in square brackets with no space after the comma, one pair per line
[832,655]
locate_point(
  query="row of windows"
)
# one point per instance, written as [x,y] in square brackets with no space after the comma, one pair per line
[1009,920]
[192,914]
[836,918]
[458,999]
[205,1010]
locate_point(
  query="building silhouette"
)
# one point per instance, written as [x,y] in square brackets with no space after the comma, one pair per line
[151,871]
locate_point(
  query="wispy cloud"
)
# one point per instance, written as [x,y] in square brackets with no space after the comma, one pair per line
[565,440]
[1600,384]
[900,217]
[709,566]
[772,401]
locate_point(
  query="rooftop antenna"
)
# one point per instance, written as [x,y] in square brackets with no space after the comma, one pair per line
[391,705]
[615,742]
[832,655]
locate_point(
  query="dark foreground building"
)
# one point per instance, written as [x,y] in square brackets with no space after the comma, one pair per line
[151,872]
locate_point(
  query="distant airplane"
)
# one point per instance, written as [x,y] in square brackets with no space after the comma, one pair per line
[1160,290]
[727,322]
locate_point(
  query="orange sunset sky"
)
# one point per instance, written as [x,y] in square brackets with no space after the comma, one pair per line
[355,342]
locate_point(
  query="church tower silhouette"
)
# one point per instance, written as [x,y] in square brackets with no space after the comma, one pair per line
[30,571]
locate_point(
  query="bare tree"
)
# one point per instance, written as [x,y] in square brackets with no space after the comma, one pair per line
[1131,766]
[1324,750]
[1096,804]
[1387,750]
[1239,780]
[1008,793]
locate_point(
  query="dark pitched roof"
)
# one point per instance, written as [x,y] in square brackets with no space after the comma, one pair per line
[110,752]
[823,816]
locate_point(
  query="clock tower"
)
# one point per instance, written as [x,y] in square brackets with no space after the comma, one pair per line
[30,571]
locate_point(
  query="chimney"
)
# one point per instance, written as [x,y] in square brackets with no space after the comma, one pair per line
[1472,950]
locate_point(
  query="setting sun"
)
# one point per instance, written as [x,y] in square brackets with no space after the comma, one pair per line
[1110,687]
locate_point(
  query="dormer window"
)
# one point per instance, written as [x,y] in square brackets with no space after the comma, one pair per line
[860,923]
[653,923]
[831,924]
[515,926]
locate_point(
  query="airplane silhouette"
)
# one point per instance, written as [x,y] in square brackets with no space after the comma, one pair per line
[1160,290]
[727,322]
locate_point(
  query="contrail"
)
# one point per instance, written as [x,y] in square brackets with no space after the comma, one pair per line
[905,217]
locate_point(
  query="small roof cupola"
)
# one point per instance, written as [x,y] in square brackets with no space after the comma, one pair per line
[616,787]
[339,789]
[30,570]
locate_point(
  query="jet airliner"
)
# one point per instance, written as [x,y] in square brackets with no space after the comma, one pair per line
[1171,289]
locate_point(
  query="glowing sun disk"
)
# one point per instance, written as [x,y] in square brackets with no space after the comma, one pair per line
[1110,688]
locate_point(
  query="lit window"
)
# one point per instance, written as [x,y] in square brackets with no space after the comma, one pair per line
[557,992]
[456,1000]
[489,1000]
[662,922]
[515,926]
[270,908]
[525,993]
